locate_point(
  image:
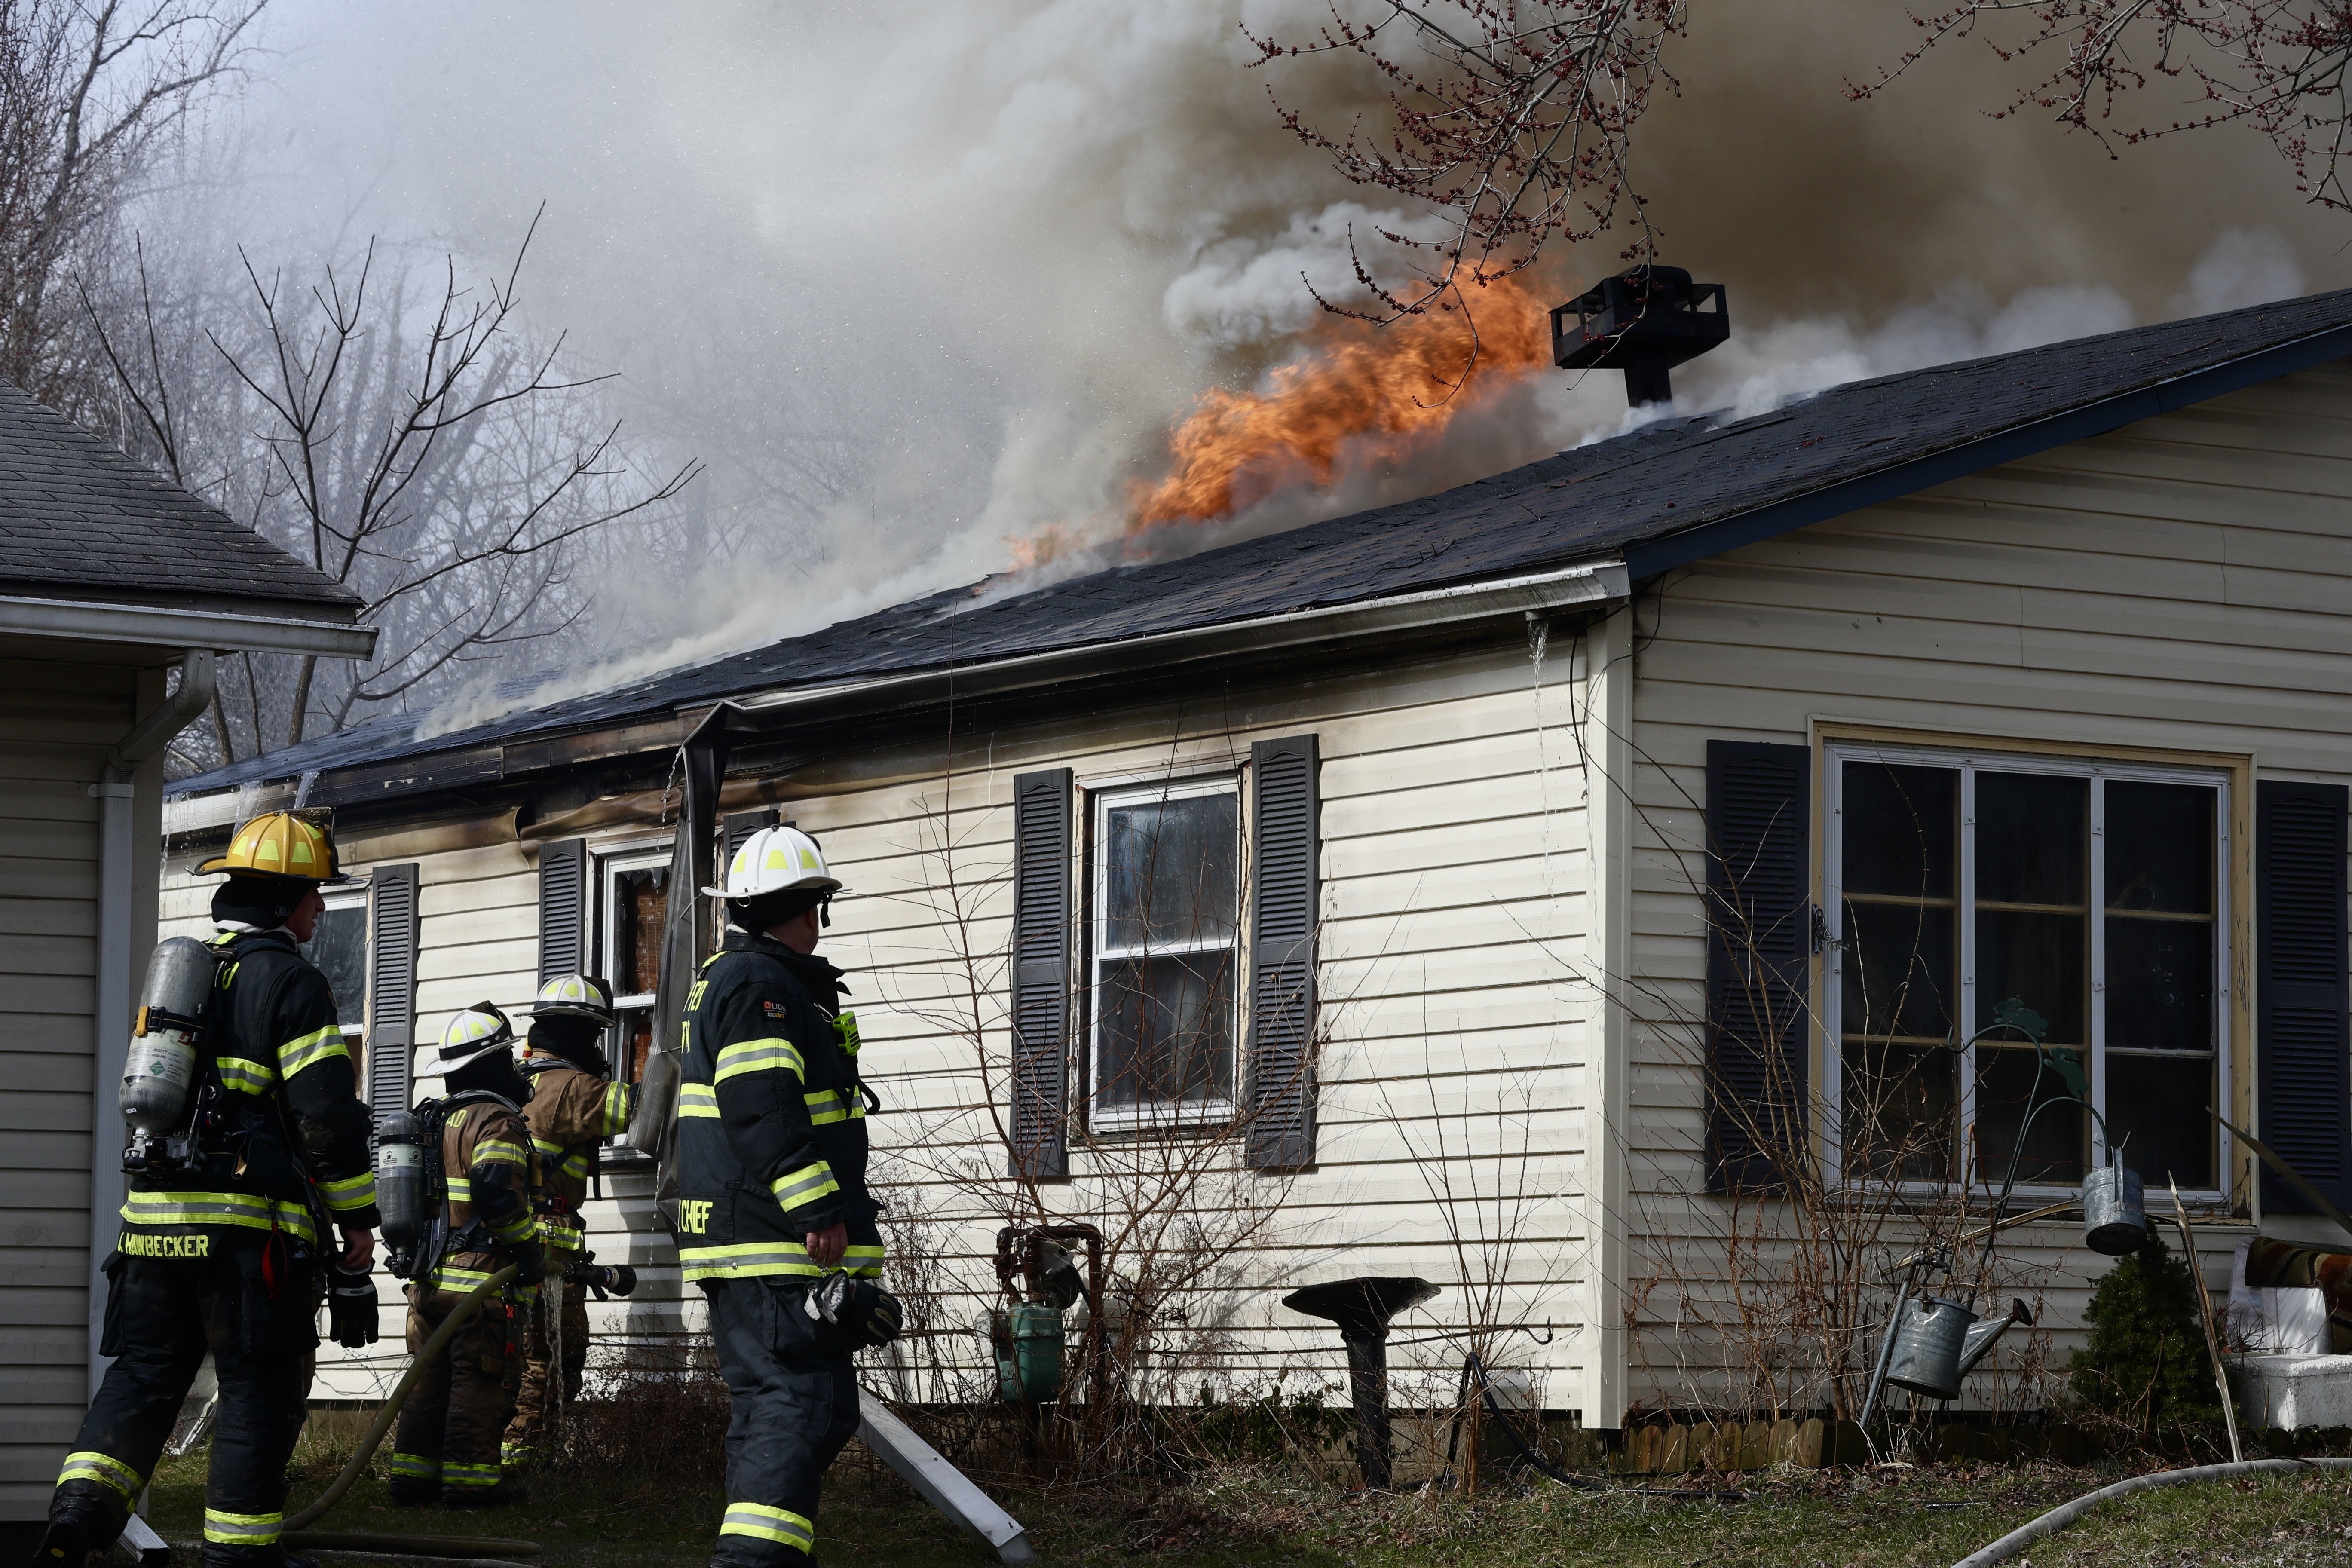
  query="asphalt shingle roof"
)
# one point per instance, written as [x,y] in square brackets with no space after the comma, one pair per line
[1671,492]
[76,516]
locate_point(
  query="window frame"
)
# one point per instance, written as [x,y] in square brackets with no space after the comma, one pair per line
[1100,796]
[358,894]
[606,862]
[2224,776]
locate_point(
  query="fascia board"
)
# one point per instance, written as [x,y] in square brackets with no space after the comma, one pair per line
[1648,559]
[95,622]
[1595,581]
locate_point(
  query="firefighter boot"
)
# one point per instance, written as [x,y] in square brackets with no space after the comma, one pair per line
[84,1517]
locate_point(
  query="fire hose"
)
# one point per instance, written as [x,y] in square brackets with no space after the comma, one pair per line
[2059,1518]
[300,1536]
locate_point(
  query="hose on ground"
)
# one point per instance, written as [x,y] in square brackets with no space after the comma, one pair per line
[420,1545]
[2059,1518]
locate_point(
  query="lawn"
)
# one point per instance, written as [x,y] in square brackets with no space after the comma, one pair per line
[1927,1516]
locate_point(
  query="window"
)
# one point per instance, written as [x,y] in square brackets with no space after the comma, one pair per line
[340,948]
[1166,898]
[632,907]
[2094,894]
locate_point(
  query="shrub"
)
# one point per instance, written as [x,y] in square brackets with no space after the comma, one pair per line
[2146,1365]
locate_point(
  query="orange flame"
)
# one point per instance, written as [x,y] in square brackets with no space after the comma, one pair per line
[1394,387]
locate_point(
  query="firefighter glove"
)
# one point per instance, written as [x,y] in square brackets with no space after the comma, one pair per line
[351,1309]
[864,1309]
[529,1261]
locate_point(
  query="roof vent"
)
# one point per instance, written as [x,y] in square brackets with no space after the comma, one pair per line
[1643,321]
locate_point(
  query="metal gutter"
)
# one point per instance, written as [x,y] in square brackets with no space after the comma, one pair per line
[226,633]
[1603,579]
[1650,558]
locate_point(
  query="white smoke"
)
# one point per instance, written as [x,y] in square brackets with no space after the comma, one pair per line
[922,281]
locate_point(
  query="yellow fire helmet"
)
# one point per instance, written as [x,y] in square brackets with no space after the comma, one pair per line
[776,860]
[280,843]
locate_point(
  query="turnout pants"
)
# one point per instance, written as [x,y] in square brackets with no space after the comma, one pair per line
[794,1406]
[162,1315]
[539,1392]
[448,1440]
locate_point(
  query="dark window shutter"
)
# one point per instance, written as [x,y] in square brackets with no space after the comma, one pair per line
[1041,972]
[2304,1042]
[562,907]
[1759,882]
[1284,811]
[392,985]
[740,826]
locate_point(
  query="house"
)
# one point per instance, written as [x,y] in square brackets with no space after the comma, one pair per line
[109,579]
[1592,890]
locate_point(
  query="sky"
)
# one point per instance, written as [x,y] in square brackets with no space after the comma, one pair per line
[924,283]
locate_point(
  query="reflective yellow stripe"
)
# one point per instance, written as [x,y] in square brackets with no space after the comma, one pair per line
[865,1262]
[830,1105]
[469,1478]
[498,1151]
[744,1260]
[546,1149]
[242,1529]
[216,1209]
[769,1524]
[522,1227]
[414,1467]
[461,1189]
[239,1076]
[309,1050]
[105,1469]
[806,1184]
[620,1104]
[759,1055]
[351,1192]
[450,1276]
[697,1100]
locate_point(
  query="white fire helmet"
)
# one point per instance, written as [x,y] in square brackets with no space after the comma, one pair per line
[776,860]
[471,1036]
[575,996]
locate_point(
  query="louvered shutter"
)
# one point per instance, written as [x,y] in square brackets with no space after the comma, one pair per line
[392,985]
[1284,811]
[1757,898]
[1041,972]
[2303,1039]
[562,909]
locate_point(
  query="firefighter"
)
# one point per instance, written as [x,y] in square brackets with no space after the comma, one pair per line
[446,1446]
[775,1223]
[221,1238]
[574,1106]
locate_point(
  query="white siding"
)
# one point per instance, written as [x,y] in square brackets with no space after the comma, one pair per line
[2183,584]
[57,723]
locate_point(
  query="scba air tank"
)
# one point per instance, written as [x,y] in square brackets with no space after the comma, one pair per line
[400,1179]
[162,1065]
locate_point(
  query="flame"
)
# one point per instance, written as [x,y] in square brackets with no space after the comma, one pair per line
[1361,395]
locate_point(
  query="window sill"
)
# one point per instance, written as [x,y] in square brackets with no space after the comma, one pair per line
[1183,1121]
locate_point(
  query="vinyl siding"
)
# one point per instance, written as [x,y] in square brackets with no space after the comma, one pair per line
[57,722]
[2180,584]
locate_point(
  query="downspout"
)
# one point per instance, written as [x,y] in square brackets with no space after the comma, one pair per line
[116,794]
[1608,746]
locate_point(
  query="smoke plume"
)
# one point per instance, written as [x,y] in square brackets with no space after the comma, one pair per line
[941,289]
